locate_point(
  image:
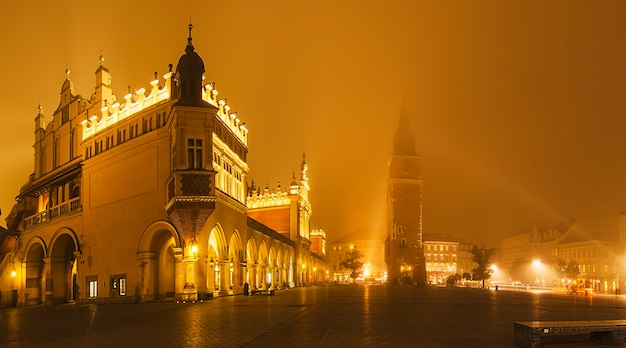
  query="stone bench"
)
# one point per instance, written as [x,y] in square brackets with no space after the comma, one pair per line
[533,334]
[262,292]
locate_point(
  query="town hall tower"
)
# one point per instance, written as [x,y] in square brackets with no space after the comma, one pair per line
[403,247]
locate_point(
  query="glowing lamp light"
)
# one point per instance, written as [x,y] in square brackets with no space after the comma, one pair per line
[13,273]
[194,247]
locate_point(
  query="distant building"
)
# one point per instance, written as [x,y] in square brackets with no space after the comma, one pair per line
[372,248]
[288,212]
[404,253]
[145,197]
[536,257]
[446,256]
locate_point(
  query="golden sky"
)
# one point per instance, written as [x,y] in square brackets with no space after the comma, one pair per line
[518,107]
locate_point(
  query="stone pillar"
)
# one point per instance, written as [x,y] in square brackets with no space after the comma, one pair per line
[270,270]
[47,284]
[179,274]
[146,262]
[77,291]
[190,293]
[264,270]
[224,277]
[253,277]
[69,291]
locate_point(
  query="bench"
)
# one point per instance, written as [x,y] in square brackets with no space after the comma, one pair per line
[262,292]
[533,334]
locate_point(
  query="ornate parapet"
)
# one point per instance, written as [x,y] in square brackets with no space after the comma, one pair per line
[113,112]
[267,199]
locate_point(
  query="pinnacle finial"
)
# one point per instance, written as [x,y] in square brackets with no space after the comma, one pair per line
[189,44]
[101,58]
[67,72]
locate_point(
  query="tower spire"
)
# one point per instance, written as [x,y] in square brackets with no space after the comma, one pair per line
[403,141]
[304,168]
[189,47]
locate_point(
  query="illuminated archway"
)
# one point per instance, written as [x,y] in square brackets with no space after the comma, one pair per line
[33,267]
[251,264]
[235,257]
[218,258]
[60,271]
[158,254]
[270,273]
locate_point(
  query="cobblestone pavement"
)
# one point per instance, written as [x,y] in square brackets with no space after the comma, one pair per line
[322,316]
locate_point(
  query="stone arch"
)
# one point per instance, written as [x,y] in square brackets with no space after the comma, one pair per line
[158,254]
[263,260]
[217,254]
[33,266]
[251,264]
[271,270]
[236,257]
[60,267]
[291,268]
[280,269]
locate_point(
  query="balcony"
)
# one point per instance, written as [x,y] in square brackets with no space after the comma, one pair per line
[64,208]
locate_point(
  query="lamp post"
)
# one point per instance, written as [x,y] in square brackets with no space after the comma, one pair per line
[538,266]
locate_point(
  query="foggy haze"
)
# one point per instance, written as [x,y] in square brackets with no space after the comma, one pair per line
[518,108]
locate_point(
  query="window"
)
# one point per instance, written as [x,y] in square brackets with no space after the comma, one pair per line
[194,153]
[118,285]
[92,287]
[65,115]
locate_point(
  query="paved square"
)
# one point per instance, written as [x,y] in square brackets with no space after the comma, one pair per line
[323,316]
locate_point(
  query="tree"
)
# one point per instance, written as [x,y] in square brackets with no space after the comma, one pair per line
[482,257]
[572,270]
[453,279]
[352,262]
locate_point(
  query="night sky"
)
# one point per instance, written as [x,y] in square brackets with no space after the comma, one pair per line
[518,107]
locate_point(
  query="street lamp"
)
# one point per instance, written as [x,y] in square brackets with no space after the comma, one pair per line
[538,266]
[194,243]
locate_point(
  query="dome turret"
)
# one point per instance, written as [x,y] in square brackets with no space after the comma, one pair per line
[189,73]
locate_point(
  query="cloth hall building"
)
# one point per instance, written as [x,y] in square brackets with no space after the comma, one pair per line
[145,197]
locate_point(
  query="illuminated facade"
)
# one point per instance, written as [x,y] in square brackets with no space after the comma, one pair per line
[288,212]
[441,254]
[533,257]
[446,256]
[374,268]
[143,198]
[404,252]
